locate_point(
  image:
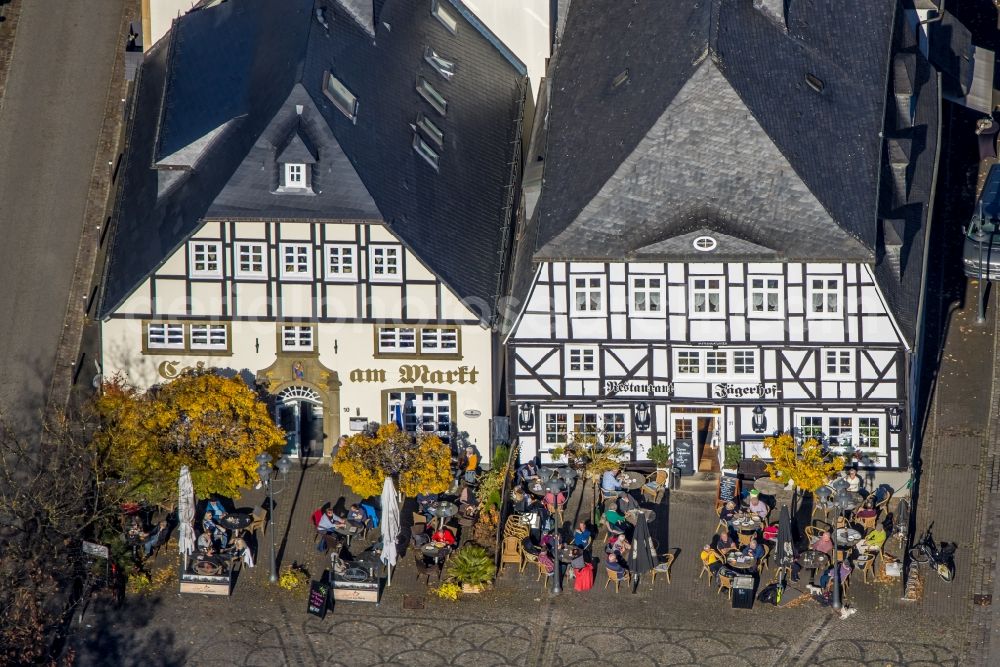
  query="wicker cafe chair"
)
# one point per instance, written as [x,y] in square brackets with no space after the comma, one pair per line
[762,563]
[868,523]
[258,523]
[528,558]
[511,553]
[664,568]
[813,533]
[613,578]
[867,565]
[655,486]
[725,581]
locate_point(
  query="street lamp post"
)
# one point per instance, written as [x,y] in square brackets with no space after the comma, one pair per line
[556,586]
[844,501]
[266,477]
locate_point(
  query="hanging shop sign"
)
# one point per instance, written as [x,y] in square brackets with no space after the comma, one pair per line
[418,374]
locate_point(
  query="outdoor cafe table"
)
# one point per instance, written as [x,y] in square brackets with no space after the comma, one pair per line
[235,521]
[846,538]
[546,473]
[631,481]
[633,515]
[813,560]
[442,509]
[433,550]
[539,487]
[739,561]
[347,531]
[747,523]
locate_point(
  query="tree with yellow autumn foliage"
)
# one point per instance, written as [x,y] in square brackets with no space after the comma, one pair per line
[214,425]
[365,459]
[808,466]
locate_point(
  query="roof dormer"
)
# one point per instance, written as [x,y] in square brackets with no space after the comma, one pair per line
[295,164]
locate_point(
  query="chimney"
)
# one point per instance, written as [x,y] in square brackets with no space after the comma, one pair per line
[774,10]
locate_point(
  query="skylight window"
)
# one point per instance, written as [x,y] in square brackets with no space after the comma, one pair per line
[433,97]
[814,82]
[430,130]
[341,97]
[444,67]
[447,19]
[424,150]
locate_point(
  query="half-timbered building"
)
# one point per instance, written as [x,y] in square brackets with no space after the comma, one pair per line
[729,236]
[318,196]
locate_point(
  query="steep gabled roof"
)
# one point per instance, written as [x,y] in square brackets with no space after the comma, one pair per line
[218,101]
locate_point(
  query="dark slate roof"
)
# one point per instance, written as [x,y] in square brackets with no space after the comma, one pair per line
[217,102]
[298,149]
[722,131]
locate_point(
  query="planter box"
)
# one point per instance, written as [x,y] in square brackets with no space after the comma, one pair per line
[469,588]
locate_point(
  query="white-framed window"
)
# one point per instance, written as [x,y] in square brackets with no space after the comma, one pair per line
[556,429]
[716,362]
[165,335]
[647,296]
[588,294]
[250,260]
[840,431]
[206,259]
[443,66]
[707,299]
[296,261]
[341,96]
[434,340]
[432,96]
[767,296]
[341,261]
[839,363]
[209,337]
[424,150]
[581,360]
[560,426]
[397,340]
[445,16]
[426,412]
[384,263]
[744,362]
[295,175]
[297,337]
[824,296]
[688,362]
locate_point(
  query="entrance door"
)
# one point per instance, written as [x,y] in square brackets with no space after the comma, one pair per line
[300,414]
[708,460]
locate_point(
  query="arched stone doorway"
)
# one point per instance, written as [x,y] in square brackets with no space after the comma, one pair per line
[306,403]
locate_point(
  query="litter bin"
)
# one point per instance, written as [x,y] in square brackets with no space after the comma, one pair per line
[675,478]
[743,592]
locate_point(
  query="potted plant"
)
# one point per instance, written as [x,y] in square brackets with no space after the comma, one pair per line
[732,456]
[659,454]
[472,567]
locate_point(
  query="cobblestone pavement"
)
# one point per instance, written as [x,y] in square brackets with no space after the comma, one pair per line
[684,622]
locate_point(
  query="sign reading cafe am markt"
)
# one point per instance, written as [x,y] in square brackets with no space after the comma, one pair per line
[418,374]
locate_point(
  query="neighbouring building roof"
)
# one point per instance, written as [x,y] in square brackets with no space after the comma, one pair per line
[238,87]
[763,124]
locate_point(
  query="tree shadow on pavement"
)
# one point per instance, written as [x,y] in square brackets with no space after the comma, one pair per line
[124,636]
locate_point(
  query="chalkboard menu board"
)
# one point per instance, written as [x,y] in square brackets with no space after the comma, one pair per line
[319,598]
[729,489]
[684,456]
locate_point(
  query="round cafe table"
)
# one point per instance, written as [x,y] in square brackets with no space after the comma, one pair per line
[347,531]
[569,553]
[813,560]
[433,550]
[540,488]
[235,521]
[846,538]
[767,486]
[631,481]
[633,515]
[442,509]
[746,523]
[739,561]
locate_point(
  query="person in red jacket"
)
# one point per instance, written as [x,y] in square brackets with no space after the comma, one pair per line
[443,535]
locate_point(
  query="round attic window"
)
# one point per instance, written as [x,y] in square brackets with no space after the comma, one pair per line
[705,243]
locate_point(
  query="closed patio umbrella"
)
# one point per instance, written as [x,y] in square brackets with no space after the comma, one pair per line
[641,559]
[783,553]
[390,526]
[185,514]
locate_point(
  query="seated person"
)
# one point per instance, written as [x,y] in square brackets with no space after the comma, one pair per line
[554,500]
[215,508]
[530,546]
[853,481]
[329,521]
[616,567]
[519,499]
[442,534]
[728,512]
[205,543]
[133,529]
[754,549]
[626,503]
[824,543]
[621,547]
[758,506]
[357,517]
[771,532]
[424,501]
[827,578]
[609,482]
[616,521]
[867,511]
[723,541]
[546,560]
[581,536]
[467,499]
[156,536]
[208,525]
[527,471]
[873,541]
[711,558]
